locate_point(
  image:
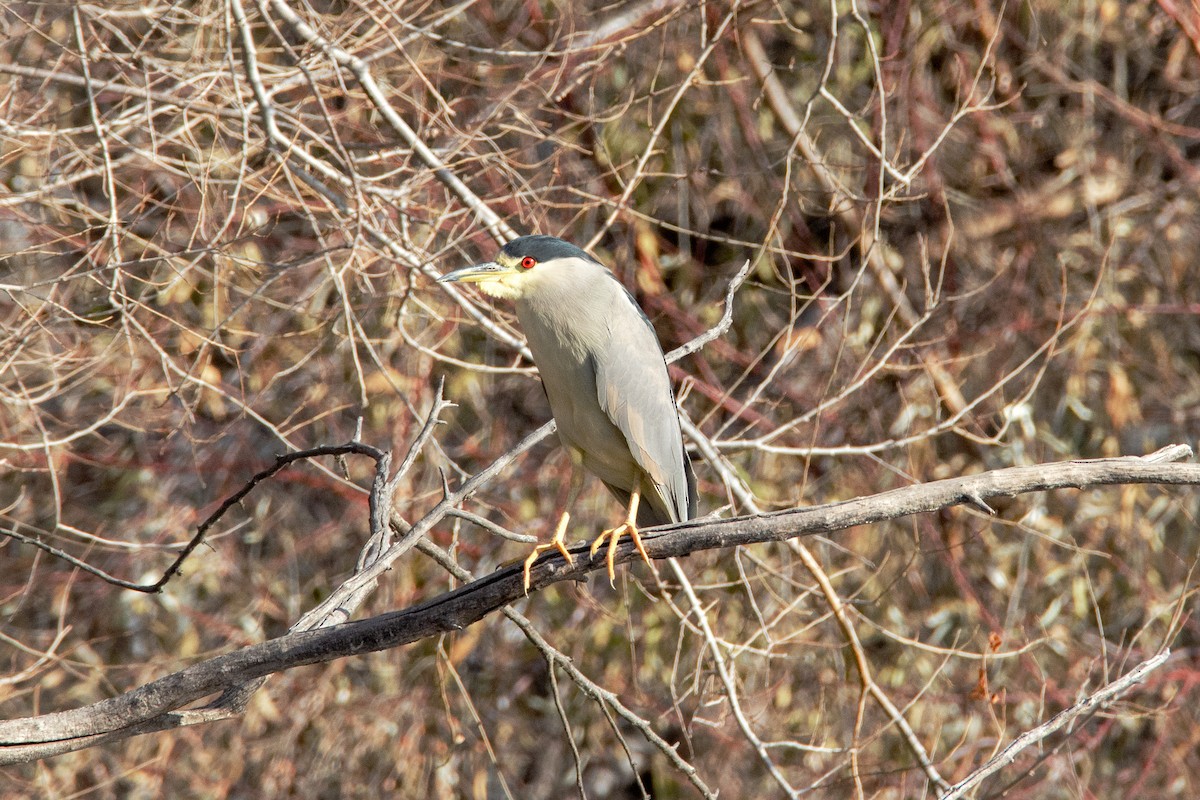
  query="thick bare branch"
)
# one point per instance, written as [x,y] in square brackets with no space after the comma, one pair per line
[151,707]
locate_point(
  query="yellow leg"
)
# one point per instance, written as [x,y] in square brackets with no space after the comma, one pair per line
[556,543]
[628,527]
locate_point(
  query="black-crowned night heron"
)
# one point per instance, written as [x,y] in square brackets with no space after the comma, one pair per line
[606,379]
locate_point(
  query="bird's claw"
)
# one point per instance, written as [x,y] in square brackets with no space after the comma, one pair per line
[613,535]
[556,543]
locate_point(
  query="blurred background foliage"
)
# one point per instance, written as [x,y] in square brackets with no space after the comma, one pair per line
[1014,282]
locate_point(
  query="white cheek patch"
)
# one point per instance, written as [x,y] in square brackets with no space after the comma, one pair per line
[495,288]
[508,286]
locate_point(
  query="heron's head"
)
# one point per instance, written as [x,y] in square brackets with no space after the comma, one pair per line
[526,266]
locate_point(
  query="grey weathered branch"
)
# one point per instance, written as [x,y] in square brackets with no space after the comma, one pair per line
[1085,707]
[163,703]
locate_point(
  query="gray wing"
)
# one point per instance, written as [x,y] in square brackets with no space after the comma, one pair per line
[634,390]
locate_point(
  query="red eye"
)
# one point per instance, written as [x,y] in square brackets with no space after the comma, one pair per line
[528,262]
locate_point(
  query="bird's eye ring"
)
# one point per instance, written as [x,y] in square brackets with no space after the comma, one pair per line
[528,262]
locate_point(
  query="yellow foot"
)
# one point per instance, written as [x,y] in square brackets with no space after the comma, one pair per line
[629,528]
[556,543]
